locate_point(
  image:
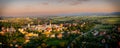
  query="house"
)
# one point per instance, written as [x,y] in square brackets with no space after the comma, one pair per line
[60,35]
[102,33]
[2,33]
[49,29]
[118,29]
[52,36]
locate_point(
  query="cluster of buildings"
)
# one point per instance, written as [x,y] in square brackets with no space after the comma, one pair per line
[5,30]
[99,33]
[44,29]
[50,31]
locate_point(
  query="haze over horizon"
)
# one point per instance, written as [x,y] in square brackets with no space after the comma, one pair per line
[57,7]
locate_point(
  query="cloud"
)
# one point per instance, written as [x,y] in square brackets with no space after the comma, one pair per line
[45,3]
[3,4]
[60,1]
[75,3]
[115,3]
[72,2]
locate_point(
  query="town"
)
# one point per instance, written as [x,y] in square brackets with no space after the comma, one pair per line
[60,32]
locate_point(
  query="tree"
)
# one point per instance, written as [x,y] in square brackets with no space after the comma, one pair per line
[1,17]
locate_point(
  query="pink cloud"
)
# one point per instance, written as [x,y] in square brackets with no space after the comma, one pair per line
[45,3]
[75,3]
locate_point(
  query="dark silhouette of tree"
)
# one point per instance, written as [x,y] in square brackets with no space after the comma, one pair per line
[1,17]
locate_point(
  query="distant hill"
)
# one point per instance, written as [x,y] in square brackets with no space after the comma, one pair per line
[115,13]
[91,14]
[76,14]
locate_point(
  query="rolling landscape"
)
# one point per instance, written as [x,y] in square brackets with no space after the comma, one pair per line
[60,31]
[59,24]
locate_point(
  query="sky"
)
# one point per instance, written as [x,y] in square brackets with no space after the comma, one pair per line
[56,7]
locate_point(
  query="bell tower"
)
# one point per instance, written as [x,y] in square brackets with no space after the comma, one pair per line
[50,22]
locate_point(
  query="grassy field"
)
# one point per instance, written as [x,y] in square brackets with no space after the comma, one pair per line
[112,20]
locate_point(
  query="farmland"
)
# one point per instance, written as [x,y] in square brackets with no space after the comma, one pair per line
[60,32]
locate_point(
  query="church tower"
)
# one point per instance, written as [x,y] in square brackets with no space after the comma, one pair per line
[50,22]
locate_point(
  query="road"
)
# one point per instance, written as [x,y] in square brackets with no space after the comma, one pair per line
[95,27]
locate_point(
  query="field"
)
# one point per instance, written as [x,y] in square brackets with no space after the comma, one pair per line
[60,32]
